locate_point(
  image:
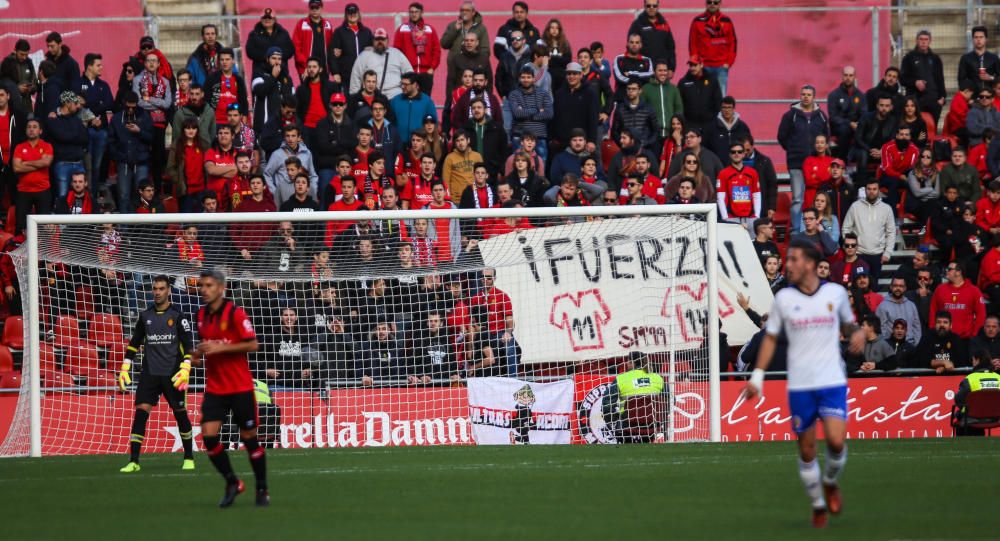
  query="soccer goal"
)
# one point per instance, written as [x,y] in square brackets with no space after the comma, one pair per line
[385,328]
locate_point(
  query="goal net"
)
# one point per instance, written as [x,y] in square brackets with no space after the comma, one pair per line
[432,327]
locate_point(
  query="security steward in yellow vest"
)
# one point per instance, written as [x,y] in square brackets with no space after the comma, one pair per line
[981,378]
[638,420]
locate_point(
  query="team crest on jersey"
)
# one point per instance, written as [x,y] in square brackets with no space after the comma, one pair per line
[170,322]
[829,306]
[947,345]
[225,325]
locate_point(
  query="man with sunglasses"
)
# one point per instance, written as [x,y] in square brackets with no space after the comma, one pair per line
[738,190]
[517,23]
[654,30]
[713,38]
[844,271]
[983,115]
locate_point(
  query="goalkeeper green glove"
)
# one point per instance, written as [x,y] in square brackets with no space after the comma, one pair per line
[182,376]
[123,377]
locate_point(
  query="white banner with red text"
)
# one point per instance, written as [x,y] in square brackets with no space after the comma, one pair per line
[506,411]
[606,288]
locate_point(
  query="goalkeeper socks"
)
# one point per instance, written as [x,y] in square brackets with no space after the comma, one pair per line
[217,454]
[834,465]
[138,434]
[184,427]
[809,473]
[258,461]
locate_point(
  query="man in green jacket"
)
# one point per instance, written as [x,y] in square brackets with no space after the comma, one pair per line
[663,96]
[962,175]
[637,403]
[982,378]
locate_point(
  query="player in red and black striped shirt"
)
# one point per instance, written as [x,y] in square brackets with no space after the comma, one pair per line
[226,336]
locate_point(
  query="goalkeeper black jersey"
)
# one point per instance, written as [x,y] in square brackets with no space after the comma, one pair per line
[166,337]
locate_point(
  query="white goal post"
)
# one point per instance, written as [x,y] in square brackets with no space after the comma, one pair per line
[509,254]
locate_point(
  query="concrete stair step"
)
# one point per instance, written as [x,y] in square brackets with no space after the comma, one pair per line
[185,8]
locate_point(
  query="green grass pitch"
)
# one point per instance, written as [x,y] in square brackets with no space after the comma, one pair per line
[893,489]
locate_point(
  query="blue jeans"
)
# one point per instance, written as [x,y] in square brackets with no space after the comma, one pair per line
[798,181]
[62,173]
[130,175]
[98,144]
[541,148]
[721,75]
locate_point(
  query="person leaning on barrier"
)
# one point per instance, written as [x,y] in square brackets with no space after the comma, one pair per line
[637,403]
[982,378]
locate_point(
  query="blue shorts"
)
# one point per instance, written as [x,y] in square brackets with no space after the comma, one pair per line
[808,406]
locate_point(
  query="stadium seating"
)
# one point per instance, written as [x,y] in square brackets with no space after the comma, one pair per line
[6,359]
[105,330]
[67,332]
[13,333]
[84,302]
[82,361]
[10,380]
[782,214]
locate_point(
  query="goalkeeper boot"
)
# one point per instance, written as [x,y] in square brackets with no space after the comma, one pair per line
[232,491]
[833,500]
[263,498]
[819,518]
[131,467]
[188,464]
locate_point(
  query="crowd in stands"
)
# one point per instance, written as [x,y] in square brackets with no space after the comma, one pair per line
[527,121]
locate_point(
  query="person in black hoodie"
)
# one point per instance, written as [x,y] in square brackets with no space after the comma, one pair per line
[434,354]
[380,357]
[266,34]
[67,68]
[922,75]
[287,353]
[888,87]
[701,95]
[978,69]
[845,104]
[334,136]
[359,104]
[273,133]
[19,70]
[875,129]
[270,87]
[348,41]
[69,139]
[657,39]
[768,177]
[50,87]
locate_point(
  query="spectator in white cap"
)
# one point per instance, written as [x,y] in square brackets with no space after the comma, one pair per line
[388,63]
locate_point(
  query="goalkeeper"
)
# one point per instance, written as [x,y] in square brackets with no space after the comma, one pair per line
[164,332]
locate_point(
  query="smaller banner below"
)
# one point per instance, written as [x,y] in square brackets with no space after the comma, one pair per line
[505,411]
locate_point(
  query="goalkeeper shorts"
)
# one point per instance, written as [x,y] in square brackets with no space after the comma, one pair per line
[215,407]
[149,388]
[808,406]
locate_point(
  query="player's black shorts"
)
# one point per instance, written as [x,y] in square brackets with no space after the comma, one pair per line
[215,407]
[149,389]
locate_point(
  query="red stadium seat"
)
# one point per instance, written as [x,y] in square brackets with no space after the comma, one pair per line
[55,378]
[4,237]
[105,330]
[169,204]
[84,302]
[931,126]
[13,333]
[6,359]
[783,214]
[10,380]
[47,357]
[82,361]
[67,332]
[984,404]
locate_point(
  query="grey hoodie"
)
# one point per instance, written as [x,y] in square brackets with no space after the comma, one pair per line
[890,310]
[874,225]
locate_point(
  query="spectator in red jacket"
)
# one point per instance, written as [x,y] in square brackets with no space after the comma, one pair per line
[989,276]
[421,45]
[816,170]
[249,237]
[311,37]
[738,190]
[963,299]
[898,158]
[954,123]
[713,38]
[347,202]
[988,209]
